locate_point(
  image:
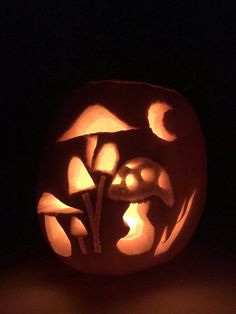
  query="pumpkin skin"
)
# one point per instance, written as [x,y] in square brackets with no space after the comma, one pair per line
[123,177]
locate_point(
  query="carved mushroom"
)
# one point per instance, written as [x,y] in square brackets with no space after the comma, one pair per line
[101,126]
[51,207]
[136,181]
[139,179]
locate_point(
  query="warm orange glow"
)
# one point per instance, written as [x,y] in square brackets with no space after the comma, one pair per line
[156,115]
[77,227]
[166,191]
[91,145]
[78,177]
[148,174]
[164,235]
[133,220]
[165,243]
[163,180]
[57,236]
[183,209]
[141,234]
[139,179]
[49,204]
[95,119]
[107,158]
[133,163]
[117,180]
[131,182]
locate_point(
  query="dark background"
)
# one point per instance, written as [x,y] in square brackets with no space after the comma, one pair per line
[50,48]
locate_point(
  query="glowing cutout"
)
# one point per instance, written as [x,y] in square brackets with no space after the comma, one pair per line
[77,227]
[181,214]
[95,119]
[91,145]
[131,181]
[165,243]
[107,158]
[57,236]
[49,204]
[141,234]
[156,115]
[78,177]
[117,180]
[133,163]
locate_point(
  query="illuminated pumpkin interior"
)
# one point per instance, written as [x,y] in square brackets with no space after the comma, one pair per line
[77,227]
[141,234]
[49,204]
[117,180]
[107,158]
[156,114]
[78,177]
[91,145]
[95,119]
[131,181]
[165,243]
[57,236]
[78,230]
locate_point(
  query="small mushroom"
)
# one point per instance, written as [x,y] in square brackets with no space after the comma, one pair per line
[50,205]
[140,178]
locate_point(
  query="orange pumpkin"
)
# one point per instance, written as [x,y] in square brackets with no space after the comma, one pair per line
[123,177]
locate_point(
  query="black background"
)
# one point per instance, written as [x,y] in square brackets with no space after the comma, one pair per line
[50,48]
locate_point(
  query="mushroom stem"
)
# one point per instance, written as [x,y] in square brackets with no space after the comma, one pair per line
[92,220]
[98,210]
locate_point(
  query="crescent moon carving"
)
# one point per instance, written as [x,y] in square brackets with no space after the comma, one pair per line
[156,114]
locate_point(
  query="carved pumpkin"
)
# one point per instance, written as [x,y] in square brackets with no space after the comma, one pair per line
[122,183]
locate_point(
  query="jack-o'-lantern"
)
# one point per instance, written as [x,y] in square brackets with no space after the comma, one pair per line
[122,183]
